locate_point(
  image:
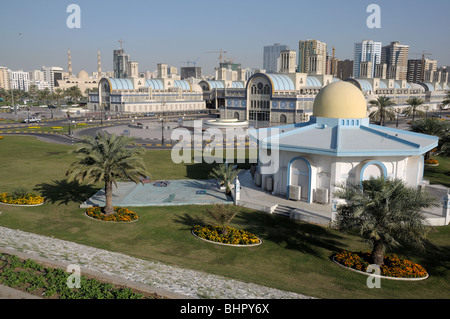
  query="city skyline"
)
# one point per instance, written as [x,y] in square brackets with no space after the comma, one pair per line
[174,33]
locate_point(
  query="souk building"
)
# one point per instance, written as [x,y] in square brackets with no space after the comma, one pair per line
[134,94]
[338,145]
[288,96]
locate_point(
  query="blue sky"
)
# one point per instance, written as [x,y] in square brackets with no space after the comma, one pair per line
[34,33]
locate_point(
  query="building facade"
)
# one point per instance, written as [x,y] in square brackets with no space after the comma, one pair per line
[271,55]
[163,95]
[20,80]
[4,78]
[312,57]
[366,51]
[395,56]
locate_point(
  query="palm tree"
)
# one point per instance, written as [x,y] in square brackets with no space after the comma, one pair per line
[74,93]
[447,99]
[412,109]
[105,158]
[384,111]
[58,94]
[225,174]
[386,212]
[44,95]
[432,126]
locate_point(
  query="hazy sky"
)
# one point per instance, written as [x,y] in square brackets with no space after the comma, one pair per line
[35,33]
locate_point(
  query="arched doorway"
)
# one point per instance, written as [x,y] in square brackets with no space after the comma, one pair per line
[373,169]
[299,174]
[282,118]
[236,115]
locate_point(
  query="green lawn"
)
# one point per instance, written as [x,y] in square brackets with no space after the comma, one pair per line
[438,174]
[294,256]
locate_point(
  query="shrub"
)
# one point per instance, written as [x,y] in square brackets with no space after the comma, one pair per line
[222,214]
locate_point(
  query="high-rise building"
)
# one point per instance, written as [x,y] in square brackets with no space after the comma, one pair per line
[312,57]
[4,78]
[415,71]
[271,57]
[120,64]
[366,51]
[20,80]
[191,72]
[395,55]
[52,75]
[344,69]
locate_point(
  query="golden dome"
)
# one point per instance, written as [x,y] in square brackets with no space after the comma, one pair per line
[340,100]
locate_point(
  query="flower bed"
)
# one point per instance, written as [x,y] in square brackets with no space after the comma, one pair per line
[233,237]
[431,162]
[393,265]
[120,215]
[57,128]
[33,127]
[27,199]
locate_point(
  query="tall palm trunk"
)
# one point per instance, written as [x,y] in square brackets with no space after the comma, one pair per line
[377,255]
[109,208]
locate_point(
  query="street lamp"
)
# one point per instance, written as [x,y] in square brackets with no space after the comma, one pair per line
[68,117]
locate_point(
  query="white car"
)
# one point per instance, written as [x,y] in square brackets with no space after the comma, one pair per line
[32,119]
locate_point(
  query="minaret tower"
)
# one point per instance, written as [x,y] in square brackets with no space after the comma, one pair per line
[70,65]
[99,65]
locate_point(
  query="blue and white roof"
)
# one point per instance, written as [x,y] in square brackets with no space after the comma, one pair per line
[313,81]
[183,84]
[121,84]
[281,82]
[346,138]
[154,84]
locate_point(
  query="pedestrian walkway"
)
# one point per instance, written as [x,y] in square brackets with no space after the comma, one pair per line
[192,284]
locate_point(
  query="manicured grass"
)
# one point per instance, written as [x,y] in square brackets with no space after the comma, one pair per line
[294,256]
[438,174]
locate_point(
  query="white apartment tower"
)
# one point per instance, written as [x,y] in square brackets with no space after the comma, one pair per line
[366,51]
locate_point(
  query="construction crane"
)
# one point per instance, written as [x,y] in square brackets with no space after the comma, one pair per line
[221,52]
[189,62]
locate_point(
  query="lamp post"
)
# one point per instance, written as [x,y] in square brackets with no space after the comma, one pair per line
[397,111]
[68,117]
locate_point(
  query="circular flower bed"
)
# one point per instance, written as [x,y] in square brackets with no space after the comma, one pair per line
[234,236]
[393,265]
[431,162]
[25,199]
[120,215]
